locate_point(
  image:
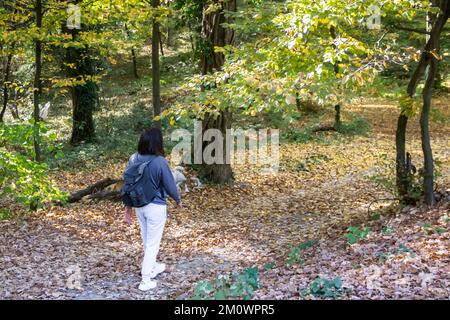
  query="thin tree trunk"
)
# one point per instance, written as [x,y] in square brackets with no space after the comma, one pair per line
[37,85]
[161,43]
[402,175]
[133,55]
[135,70]
[428,165]
[427,59]
[337,108]
[156,76]
[5,85]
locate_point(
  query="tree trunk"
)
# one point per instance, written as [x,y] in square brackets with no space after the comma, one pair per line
[214,34]
[425,135]
[431,50]
[133,55]
[84,96]
[84,101]
[161,43]
[217,172]
[37,84]
[427,59]
[5,85]
[402,175]
[156,76]
[337,108]
[135,70]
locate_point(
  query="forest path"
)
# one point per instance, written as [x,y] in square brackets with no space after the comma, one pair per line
[321,189]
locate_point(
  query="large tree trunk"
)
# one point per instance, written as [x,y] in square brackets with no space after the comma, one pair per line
[221,171]
[214,34]
[156,75]
[37,85]
[84,96]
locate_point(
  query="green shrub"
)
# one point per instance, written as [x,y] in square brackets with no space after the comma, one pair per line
[355,234]
[324,288]
[296,254]
[22,178]
[239,285]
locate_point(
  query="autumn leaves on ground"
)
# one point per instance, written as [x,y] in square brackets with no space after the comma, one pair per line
[325,186]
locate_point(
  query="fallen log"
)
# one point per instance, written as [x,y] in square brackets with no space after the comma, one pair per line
[324,128]
[92,189]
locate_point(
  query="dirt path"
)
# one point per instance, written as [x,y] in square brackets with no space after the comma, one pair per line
[84,251]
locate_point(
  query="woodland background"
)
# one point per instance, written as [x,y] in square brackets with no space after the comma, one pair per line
[358,89]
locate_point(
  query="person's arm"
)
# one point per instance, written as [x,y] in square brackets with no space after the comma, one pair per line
[168,182]
[128,215]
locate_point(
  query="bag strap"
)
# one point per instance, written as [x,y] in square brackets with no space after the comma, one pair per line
[141,169]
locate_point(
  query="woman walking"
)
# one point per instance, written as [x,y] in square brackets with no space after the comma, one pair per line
[152,217]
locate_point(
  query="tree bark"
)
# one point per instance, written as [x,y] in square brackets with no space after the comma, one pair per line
[214,34]
[5,85]
[428,166]
[84,96]
[156,75]
[337,108]
[37,84]
[431,51]
[402,175]
[135,70]
[218,172]
[92,189]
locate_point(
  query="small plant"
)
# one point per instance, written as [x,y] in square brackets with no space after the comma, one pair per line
[5,214]
[387,230]
[355,234]
[296,254]
[240,285]
[269,265]
[427,228]
[324,288]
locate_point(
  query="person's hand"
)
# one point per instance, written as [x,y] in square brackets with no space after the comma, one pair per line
[180,205]
[128,215]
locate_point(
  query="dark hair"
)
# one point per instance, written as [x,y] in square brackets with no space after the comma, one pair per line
[151,142]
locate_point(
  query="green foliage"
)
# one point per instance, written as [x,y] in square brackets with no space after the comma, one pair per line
[269,265]
[5,214]
[356,234]
[19,138]
[324,288]
[438,116]
[239,285]
[25,180]
[296,253]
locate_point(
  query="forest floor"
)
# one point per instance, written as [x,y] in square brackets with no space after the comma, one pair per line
[324,186]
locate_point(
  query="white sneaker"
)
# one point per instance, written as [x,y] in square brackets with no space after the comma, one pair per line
[147,284]
[159,268]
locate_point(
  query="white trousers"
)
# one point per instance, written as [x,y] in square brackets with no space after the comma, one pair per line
[152,219]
